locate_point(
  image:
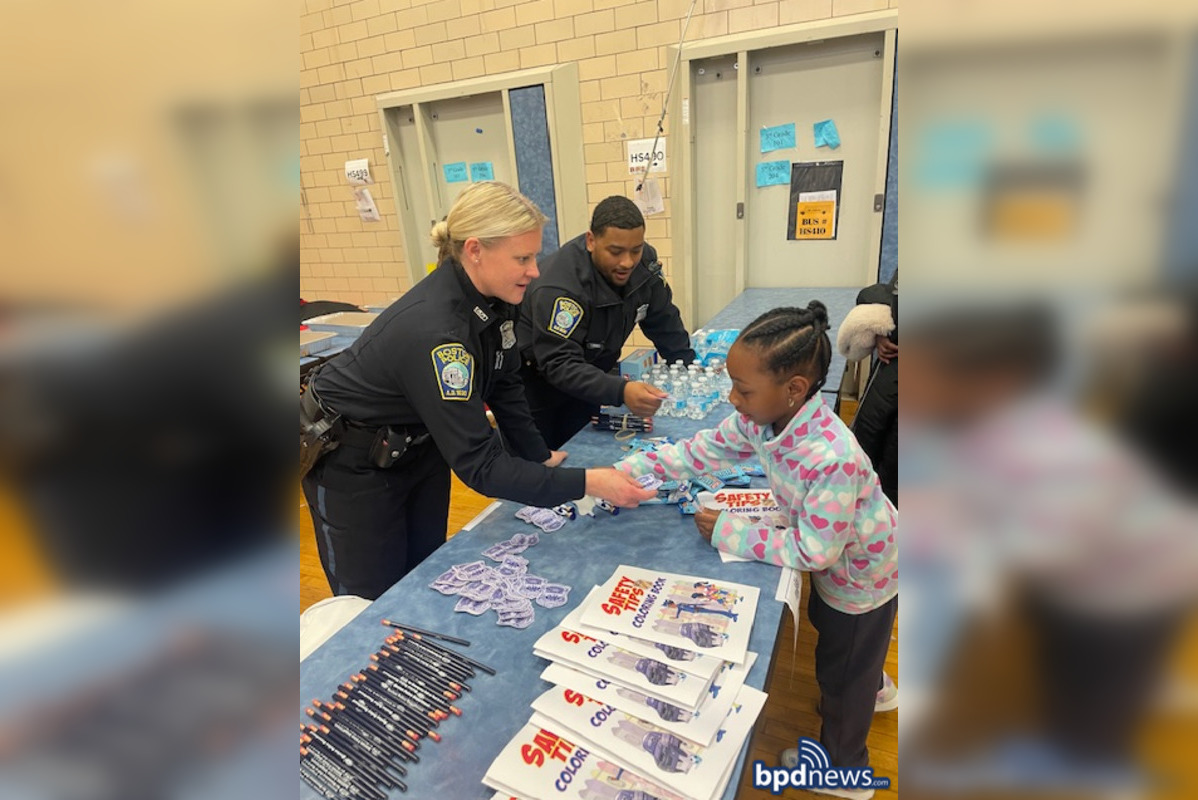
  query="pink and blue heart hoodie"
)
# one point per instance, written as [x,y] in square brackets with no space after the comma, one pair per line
[842,527]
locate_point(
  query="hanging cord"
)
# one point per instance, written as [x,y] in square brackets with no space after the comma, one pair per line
[666,100]
[624,433]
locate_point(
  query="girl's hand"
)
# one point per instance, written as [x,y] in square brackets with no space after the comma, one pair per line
[705,521]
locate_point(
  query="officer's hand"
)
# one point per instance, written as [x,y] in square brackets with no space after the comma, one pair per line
[643,399]
[555,457]
[705,521]
[616,487]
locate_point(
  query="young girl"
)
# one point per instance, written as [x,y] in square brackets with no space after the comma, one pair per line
[842,527]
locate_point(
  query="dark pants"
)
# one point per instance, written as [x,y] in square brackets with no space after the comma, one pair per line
[1099,676]
[558,416]
[849,656]
[373,526]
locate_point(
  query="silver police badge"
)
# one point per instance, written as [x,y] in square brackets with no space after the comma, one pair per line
[508,334]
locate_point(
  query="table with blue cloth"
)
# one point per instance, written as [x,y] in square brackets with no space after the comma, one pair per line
[582,554]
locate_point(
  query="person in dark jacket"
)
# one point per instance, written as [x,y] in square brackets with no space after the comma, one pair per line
[872,327]
[410,393]
[573,324]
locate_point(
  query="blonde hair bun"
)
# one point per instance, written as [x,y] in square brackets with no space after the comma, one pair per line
[488,211]
[440,235]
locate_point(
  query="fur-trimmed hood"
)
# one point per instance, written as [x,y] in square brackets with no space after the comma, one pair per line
[855,338]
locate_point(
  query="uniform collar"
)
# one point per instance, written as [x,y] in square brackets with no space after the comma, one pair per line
[481,312]
[602,292]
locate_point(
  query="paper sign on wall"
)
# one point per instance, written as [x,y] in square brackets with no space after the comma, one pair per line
[826,134]
[778,137]
[649,199]
[357,172]
[638,155]
[367,210]
[482,171]
[456,172]
[814,200]
[773,173]
[816,215]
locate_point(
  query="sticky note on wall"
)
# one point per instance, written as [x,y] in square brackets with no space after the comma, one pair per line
[826,134]
[482,171]
[456,172]
[777,137]
[773,173]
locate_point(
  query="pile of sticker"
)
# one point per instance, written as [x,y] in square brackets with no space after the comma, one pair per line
[554,519]
[546,519]
[508,588]
[682,492]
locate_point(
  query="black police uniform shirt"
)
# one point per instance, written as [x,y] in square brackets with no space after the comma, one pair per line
[430,361]
[573,323]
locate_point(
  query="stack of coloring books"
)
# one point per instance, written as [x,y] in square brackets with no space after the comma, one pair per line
[648,698]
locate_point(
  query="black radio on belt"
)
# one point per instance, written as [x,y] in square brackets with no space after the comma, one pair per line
[390,444]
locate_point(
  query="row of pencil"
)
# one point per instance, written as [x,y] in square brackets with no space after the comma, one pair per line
[362,742]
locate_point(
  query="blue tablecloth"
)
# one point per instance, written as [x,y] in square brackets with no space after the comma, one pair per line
[336,345]
[582,554]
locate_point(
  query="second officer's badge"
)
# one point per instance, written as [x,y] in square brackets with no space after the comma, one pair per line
[566,315]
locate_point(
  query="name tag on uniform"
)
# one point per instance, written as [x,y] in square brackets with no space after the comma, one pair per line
[642,311]
[508,335]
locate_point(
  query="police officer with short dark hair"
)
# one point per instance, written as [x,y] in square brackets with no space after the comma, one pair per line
[578,314]
[409,396]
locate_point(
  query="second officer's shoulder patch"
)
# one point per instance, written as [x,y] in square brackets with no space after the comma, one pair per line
[567,313]
[454,366]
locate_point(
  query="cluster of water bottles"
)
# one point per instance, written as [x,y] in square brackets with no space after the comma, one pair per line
[694,390]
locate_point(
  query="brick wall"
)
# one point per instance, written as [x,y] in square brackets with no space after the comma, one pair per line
[352,51]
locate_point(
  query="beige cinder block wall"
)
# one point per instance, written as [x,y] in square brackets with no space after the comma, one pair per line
[353,51]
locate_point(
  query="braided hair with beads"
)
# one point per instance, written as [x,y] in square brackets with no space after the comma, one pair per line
[793,340]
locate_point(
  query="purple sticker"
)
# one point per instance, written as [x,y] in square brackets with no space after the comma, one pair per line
[470,606]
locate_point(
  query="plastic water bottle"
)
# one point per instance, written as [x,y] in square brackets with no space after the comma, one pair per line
[694,401]
[663,382]
[704,389]
[713,387]
[723,382]
[681,395]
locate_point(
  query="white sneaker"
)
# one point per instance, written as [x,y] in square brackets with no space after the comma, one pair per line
[887,698]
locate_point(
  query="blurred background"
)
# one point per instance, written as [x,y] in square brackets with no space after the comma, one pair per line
[149,191]
[149,178]
[1049,184]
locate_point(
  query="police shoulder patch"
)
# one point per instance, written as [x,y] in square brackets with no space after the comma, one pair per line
[567,313]
[454,366]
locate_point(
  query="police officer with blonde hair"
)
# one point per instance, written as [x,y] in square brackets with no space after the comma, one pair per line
[406,405]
